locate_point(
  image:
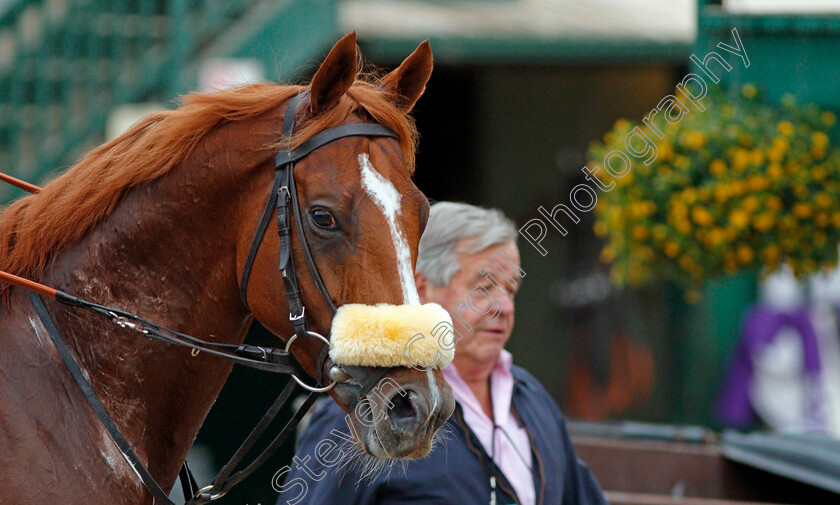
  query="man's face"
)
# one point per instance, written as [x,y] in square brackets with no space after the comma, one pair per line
[480,298]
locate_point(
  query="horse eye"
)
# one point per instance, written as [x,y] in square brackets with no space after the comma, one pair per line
[324,219]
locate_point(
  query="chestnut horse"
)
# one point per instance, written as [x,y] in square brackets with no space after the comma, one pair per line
[159,222]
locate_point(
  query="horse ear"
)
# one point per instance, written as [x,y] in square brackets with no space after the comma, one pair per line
[408,81]
[335,75]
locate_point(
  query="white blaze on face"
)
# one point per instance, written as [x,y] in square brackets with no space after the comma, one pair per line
[387,198]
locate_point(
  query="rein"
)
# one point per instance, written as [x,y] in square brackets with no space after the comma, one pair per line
[284,200]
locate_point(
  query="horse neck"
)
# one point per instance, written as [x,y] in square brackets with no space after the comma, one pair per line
[168,254]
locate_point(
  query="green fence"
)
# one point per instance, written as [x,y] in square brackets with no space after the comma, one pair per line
[65,65]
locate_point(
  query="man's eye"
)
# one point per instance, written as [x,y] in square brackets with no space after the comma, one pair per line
[324,219]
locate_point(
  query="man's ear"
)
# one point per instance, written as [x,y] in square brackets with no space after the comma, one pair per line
[422,286]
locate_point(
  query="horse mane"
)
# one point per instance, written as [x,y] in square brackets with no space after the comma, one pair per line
[36,228]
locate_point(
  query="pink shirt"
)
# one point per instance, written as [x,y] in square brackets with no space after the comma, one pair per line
[513,458]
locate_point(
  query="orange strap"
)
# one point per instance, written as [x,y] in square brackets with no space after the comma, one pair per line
[19,183]
[27,284]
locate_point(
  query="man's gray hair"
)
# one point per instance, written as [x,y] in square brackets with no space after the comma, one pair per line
[450,223]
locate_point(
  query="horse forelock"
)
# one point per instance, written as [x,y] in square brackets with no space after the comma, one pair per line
[35,229]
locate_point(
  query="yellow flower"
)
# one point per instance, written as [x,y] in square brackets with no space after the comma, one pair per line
[774,203]
[763,222]
[721,192]
[737,188]
[716,237]
[608,254]
[642,208]
[819,139]
[740,160]
[823,200]
[771,254]
[778,149]
[665,150]
[819,172]
[745,254]
[622,124]
[739,219]
[701,216]
[785,128]
[645,254]
[600,229]
[671,249]
[685,262]
[717,167]
[818,152]
[758,183]
[802,210]
[757,157]
[678,210]
[730,261]
[749,91]
[639,232]
[751,203]
[626,180]
[693,139]
[774,170]
[821,220]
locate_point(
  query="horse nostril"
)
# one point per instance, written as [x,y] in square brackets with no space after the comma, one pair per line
[403,413]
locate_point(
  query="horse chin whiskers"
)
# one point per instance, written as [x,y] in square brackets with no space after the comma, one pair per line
[366,466]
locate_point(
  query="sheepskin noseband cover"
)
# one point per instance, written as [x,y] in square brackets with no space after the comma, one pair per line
[379,335]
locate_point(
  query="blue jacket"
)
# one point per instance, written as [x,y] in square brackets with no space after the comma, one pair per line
[456,471]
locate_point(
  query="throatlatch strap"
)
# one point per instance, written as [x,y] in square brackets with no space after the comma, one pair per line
[288,125]
[96,403]
[255,245]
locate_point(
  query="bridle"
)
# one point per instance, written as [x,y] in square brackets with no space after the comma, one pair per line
[284,200]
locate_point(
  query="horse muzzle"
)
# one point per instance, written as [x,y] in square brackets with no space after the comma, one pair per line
[384,360]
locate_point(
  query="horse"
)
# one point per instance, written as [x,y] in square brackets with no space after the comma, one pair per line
[160,222]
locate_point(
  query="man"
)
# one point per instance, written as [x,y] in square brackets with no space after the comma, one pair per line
[507,441]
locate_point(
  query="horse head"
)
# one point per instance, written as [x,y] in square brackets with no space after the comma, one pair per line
[360,217]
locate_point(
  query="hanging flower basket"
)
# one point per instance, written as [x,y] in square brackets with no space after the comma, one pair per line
[741,185]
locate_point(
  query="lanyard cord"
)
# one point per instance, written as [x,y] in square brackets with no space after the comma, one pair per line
[493,445]
[492,441]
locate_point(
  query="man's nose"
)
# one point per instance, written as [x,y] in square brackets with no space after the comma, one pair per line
[506,304]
